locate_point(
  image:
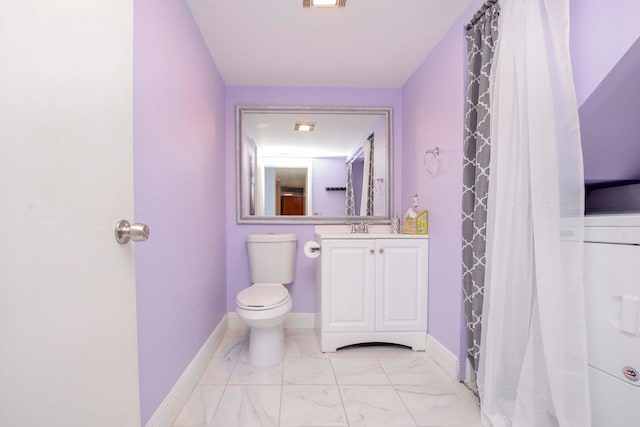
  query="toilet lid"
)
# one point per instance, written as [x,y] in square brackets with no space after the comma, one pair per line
[262,295]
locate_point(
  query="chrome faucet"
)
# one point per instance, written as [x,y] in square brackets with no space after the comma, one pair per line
[363,227]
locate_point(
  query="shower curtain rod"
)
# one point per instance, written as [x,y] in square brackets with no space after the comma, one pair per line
[479,14]
[358,151]
[355,155]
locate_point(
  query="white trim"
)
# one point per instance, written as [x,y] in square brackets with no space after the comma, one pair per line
[331,341]
[234,321]
[442,356]
[300,321]
[470,376]
[293,321]
[178,395]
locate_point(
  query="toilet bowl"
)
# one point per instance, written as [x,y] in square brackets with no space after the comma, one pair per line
[265,304]
[264,307]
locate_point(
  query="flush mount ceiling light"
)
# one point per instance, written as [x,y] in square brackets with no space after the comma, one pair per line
[323,3]
[304,127]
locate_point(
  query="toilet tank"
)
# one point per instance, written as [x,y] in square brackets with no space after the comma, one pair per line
[272,257]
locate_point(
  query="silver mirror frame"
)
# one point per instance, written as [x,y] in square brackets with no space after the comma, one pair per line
[387,112]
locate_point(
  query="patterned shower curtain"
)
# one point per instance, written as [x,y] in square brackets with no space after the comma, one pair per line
[366,205]
[481,36]
[350,210]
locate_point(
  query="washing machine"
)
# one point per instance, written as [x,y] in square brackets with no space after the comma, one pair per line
[612,291]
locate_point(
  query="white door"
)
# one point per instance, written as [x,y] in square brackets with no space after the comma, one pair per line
[347,270]
[68,350]
[401,285]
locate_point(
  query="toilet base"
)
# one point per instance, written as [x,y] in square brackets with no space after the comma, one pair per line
[266,346]
[266,334]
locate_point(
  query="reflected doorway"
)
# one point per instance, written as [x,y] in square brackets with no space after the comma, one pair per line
[289,195]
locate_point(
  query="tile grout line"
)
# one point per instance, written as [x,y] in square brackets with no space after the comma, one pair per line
[281,386]
[226,384]
[335,377]
[456,391]
[393,387]
[395,390]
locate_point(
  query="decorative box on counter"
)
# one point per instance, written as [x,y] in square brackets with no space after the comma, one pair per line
[418,224]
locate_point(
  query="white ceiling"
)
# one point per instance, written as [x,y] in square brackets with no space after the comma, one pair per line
[334,135]
[369,43]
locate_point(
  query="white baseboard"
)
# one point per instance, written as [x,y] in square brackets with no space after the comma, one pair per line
[234,321]
[300,321]
[177,397]
[470,376]
[442,356]
[293,321]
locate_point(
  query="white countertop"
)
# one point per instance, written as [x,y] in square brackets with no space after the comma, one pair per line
[376,231]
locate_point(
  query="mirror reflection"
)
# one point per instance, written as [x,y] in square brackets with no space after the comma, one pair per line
[318,165]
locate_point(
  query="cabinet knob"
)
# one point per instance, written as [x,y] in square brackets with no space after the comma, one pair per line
[371,251]
[381,250]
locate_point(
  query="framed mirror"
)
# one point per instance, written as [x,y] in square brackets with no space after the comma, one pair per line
[320,165]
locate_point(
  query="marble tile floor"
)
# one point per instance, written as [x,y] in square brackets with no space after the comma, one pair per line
[358,386]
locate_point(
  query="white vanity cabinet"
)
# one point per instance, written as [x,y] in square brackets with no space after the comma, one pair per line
[372,289]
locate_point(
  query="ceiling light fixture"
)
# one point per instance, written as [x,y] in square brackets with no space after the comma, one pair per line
[323,3]
[304,127]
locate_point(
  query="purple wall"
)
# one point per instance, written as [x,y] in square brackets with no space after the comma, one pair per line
[179,155]
[357,174]
[329,172]
[238,272]
[605,49]
[601,32]
[433,116]
[609,123]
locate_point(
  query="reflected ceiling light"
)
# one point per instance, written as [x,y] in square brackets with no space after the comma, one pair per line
[304,127]
[323,3]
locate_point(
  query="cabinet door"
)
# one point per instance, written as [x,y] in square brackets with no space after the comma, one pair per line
[401,285]
[348,285]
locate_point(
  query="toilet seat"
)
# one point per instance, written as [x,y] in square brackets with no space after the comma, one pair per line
[262,296]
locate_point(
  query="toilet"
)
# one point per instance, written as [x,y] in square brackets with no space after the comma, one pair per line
[265,304]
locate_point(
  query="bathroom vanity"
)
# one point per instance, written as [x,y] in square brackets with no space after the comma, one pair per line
[371,287]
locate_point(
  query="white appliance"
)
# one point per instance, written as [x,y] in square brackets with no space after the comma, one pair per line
[612,290]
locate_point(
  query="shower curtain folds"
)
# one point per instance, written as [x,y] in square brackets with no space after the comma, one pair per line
[366,201]
[533,360]
[350,209]
[481,35]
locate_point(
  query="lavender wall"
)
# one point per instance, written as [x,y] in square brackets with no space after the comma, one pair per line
[237,273]
[329,172]
[179,155]
[609,123]
[601,32]
[357,174]
[605,49]
[433,116]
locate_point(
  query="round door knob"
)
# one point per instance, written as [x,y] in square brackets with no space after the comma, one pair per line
[371,251]
[381,250]
[139,232]
[135,232]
